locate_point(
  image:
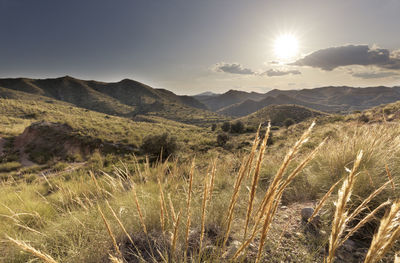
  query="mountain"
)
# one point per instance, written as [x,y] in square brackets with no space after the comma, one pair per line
[216,102]
[327,99]
[207,93]
[277,114]
[125,98]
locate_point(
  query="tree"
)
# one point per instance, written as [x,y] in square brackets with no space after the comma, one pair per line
[226,126]
[154,145]
[237,127]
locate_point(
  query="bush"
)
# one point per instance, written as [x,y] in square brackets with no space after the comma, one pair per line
[288,122]
[213,127]
[222,139]
[363,118]
[164,144]
[251,129]
[270,139]
[226,126]
[237,127]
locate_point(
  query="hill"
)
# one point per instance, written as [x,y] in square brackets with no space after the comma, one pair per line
[250,106]
[17,115]
[277,114]
[126,98]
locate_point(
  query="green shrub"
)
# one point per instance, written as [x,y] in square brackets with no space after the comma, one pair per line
[288,122]
[363,118]
[222,139]
[226,126]
[237,127]
[156,145]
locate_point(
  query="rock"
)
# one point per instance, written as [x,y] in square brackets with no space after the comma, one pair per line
[299,235]
[283,207]
[313,226]
[306,213]
[234,246]
[287,235]
[286,217]
[349,245]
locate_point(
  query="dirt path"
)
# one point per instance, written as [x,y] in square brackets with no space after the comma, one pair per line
[25,162]
[72,167]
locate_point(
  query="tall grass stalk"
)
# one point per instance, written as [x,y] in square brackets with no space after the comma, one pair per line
[33,251]
[388,233]
[245,166]
[189,199]
[256,176]
[110,233]
[340,217]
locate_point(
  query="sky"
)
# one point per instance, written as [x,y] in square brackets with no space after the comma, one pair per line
[193,46]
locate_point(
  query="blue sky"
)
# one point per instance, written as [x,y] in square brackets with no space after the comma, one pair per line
[193,46]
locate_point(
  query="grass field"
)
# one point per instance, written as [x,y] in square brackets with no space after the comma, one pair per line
[212,207]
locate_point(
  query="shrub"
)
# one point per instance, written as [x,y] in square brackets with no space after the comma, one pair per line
[363,118]
[213,127]
[251,129]
[288,122]
[387,111]
[226,126]
[270,139]
[154,145]
[222,139]
[237,127]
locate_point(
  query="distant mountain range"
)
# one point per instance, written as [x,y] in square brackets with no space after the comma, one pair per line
[129,98]
[328,99]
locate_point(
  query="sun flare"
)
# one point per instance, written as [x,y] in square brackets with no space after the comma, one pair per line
[286,46]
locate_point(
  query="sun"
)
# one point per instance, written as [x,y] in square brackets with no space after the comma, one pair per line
[286,46]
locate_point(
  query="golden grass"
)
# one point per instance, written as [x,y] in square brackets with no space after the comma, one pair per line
[189,199]
[139,210]
[203,212]
[109,231]
[38,254]
[388,233]
[241,208]
[340,216]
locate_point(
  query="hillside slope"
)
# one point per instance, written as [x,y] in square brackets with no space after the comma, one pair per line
[277,114]
[126,98]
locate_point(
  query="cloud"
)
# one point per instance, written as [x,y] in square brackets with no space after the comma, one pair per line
[374,75]
[232,68]
[236,68]
[334,57]
[275,72]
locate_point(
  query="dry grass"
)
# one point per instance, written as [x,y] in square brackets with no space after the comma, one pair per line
[150,205]
[388,233]
[38,254]
[340,219]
